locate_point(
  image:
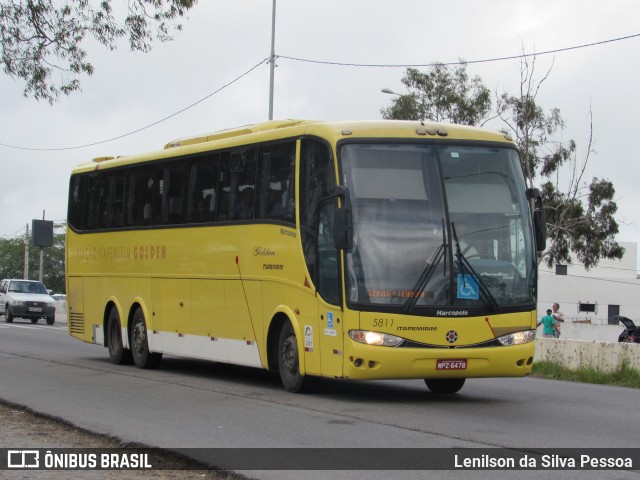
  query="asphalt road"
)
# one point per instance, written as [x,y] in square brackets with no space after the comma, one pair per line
[193,404]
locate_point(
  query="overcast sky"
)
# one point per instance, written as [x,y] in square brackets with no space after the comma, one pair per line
[224,39]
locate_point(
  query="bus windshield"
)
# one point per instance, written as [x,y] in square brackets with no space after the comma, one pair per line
[438,226]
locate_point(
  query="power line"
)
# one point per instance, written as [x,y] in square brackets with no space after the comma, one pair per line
[599,279]
[266,60]
[13,235]
[53,149]
[487,60]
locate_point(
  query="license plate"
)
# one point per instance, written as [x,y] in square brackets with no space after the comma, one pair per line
[447,364]
[35,309]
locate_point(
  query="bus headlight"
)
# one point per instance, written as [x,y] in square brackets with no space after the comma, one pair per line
[518,338]
[375,338]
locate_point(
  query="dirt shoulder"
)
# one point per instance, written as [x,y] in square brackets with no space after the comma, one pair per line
[22,429]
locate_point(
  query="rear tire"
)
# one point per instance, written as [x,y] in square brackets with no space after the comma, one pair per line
[142,357]
[117,353]
[444,386]
[289,362]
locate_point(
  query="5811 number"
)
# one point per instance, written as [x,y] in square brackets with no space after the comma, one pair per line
[383,322]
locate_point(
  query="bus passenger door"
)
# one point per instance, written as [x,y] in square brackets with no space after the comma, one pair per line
[329,287]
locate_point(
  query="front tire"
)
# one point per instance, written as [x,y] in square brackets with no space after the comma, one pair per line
[8,316]
[117,353]
[34,320]
[51,320]
[289,362]
[444,386]
[142,357]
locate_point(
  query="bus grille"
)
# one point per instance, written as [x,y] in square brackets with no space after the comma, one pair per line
[76,323]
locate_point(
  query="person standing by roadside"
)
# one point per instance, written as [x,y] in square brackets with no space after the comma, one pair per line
[549,325]
[559,317]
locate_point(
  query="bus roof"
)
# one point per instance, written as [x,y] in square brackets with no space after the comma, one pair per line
[234,132]
[332,131]
[373,128]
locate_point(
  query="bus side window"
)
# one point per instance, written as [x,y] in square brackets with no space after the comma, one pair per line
[203,182]
[77,188]
[317,181]
[276,195]
[138,196]
[130,198]
[167,203]
[243,184]
[90,212]
[328,277]
[144,197]
[224,188]
[111,199]
[175,192]
[116,199]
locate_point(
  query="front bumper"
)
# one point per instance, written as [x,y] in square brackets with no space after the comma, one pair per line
[372,362]
[32,311]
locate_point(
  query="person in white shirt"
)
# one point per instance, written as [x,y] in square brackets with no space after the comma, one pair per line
[558,316]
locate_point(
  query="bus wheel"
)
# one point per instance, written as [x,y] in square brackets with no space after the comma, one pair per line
[117,353]
[444,385]
[142,357]
[289,361]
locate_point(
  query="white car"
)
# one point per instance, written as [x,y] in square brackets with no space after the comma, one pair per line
[26,299]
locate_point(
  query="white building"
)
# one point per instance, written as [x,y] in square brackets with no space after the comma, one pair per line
[595,295]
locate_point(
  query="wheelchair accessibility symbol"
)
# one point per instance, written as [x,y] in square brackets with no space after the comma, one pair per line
[467,287]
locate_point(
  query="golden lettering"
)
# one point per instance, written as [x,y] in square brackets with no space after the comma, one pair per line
[121,253]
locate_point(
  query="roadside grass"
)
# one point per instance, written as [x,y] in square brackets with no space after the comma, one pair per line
[624,376]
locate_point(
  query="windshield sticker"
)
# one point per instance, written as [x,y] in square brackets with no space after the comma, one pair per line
[467,287]
[395,294]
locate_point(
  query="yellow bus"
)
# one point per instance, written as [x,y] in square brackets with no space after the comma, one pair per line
[355,250]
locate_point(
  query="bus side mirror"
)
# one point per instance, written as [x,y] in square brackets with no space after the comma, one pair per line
[539,218]
[342,226]
[342,229]
[540,227]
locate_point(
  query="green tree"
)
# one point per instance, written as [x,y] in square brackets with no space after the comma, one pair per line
[53,263]
[12,252]
[441,94]
[43,37]
[12,257]
[580,216]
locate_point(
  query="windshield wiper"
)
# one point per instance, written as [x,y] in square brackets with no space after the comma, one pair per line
[427,273]
[464,264]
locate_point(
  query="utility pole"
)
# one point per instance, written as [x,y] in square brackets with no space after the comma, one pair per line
[40,275]
[26,255]
[272,59]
